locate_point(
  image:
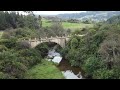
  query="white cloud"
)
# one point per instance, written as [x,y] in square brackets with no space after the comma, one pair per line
[55,12]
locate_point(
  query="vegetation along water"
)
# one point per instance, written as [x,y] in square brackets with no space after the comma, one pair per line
[91,48]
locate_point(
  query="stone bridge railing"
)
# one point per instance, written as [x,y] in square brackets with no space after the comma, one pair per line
[59,40]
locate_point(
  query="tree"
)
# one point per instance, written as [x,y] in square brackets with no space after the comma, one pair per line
[20,21]
[40,20]
[3,22]
[68,31]
[58,28]
[74,43]
[43,48]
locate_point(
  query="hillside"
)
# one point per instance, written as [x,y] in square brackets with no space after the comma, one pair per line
[114,20]
[94,15]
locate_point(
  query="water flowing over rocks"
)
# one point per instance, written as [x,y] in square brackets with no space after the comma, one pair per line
[67,70]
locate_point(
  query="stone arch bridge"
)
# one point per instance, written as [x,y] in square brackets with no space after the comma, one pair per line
[59,40]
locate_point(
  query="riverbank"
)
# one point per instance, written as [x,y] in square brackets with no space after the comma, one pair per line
[45,70]
[54,68]
[68,71]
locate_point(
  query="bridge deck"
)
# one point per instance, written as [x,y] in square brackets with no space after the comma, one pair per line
[59,40]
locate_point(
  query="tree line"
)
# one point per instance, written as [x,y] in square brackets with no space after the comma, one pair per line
[15,20]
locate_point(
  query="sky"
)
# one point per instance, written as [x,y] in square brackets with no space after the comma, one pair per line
[54,12]
[51,12]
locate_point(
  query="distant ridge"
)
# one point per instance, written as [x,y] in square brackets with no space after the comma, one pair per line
[94,15]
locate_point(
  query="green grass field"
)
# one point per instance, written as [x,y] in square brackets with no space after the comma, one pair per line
[45,23]
[45,70]
[1,32]
[67,25]
[74,26]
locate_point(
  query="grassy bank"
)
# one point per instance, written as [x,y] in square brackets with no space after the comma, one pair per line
[45,70]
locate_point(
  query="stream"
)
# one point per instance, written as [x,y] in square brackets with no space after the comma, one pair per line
[68,71]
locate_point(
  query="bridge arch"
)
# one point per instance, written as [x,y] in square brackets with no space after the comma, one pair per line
[50,44]
[59,40]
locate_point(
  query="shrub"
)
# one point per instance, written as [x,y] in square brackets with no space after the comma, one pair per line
[30,57]
[73,57]
[25,32]
[110,50]
[116,71]
[5,76]
[77,31]
[103,73]
[23,60]
[2,41]
[57,28]
[19,33]
[10,65]
[64,51]
[6,35]
[29,52]
[43,48]
[9,43]
[91,65]
[14,68]
[3,48]
[23,45]
[2,75]
[74,43]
